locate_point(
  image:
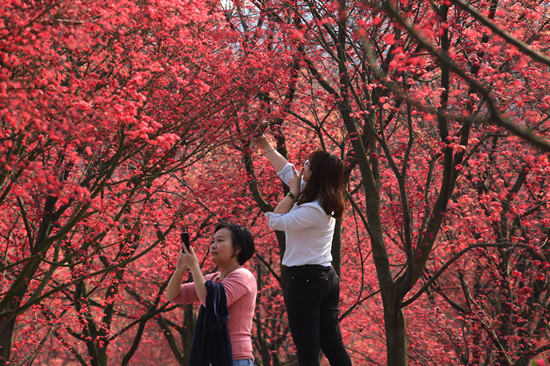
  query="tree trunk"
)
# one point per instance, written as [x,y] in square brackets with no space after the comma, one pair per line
[189,330]
[396,337]
[337,247]
[6,332]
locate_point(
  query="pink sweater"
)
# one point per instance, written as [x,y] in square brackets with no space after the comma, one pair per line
[240,290]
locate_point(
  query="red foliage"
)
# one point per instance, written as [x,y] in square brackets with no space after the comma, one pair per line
[122,122]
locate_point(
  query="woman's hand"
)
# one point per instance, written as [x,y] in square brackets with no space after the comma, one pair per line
[277,160]
[262,142]
[180,265]
[287,202]
[295,183]
[188,258]
[174,284]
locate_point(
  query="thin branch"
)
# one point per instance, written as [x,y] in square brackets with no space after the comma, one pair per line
[522,46]
[523,132]
[454,259]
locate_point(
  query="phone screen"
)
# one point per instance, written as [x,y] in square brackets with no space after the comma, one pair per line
[185,240]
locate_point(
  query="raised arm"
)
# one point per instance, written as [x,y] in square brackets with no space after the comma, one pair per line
[277,160]
[190,259]
[174,285]
[187,259]
[288,201]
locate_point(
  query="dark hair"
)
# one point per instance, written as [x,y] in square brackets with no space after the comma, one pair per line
[326,183]
[241,238]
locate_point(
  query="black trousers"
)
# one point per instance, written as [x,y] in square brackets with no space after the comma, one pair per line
[312,301]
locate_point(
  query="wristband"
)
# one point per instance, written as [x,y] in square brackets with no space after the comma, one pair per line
[291,195]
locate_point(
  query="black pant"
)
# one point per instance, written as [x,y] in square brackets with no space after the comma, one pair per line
[312,306]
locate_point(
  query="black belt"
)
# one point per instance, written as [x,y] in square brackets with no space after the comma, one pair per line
[307,268]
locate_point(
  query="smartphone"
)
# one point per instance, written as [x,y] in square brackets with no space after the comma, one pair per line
[185,240]
[260,129]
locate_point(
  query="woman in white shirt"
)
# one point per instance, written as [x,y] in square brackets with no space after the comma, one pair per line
[307,215]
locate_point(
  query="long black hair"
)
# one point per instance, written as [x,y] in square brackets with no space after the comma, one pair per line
[326,183]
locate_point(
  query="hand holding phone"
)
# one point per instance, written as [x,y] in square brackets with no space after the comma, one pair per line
[260,129]
[185,240]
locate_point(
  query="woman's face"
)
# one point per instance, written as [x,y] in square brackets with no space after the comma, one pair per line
[221,248]
[306,171]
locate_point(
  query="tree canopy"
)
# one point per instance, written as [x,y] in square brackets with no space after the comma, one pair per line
[122,123]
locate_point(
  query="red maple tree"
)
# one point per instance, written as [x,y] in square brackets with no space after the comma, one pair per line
[122,122]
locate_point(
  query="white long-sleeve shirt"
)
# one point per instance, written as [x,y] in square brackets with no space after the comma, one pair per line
[309,230]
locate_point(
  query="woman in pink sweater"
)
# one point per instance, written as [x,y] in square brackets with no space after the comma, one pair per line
[232,245]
